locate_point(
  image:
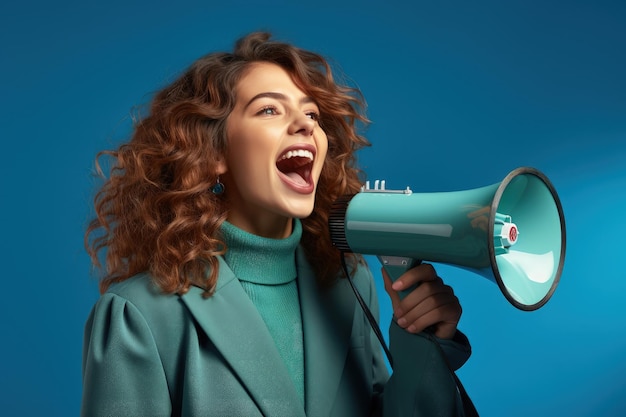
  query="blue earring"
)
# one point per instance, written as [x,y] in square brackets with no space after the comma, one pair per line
[218,188]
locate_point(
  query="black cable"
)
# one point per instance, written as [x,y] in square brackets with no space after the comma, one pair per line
[367,311]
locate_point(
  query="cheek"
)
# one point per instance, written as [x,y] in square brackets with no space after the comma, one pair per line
[247,150]
[247,167]
[322,151]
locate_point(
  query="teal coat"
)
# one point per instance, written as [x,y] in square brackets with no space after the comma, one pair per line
[150,354]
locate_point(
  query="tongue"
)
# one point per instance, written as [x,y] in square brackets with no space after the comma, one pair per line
[296,178]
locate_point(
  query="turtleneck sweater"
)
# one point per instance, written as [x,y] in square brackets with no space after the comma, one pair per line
[266,269]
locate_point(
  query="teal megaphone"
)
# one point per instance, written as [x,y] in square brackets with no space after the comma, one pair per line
[512,233]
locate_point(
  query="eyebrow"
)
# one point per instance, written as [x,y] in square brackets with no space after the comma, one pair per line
[278,96]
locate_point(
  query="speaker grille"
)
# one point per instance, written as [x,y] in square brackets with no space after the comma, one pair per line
[337,222]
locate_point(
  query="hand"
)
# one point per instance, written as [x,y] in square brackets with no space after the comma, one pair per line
[431,304]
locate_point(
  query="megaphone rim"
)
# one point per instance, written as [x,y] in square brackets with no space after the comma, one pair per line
[492,253]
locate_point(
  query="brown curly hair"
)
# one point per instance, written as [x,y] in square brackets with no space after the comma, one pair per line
[155,211]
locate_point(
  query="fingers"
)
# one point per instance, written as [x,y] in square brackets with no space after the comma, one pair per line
[423,275]
[439,311]
[430,305]
[415,276]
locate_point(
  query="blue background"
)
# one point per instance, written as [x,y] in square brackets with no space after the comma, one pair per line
[460,93]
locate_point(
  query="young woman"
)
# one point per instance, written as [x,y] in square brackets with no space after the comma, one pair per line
[223,293]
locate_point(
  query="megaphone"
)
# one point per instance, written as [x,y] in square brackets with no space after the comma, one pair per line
[512,232]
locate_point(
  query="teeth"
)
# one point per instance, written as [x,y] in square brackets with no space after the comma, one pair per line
[302,153]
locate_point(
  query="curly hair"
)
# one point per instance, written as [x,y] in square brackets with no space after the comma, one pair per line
[154,211]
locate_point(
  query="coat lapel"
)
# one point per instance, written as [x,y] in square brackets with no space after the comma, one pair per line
[233,324]
[327,318]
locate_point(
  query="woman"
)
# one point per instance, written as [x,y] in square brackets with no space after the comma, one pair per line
[223,294]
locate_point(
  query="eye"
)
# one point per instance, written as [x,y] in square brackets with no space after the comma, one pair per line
[313,115]
[268,111]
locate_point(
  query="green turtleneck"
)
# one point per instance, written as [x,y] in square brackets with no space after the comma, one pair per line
[266,269]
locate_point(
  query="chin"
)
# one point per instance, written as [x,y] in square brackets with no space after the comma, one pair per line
[303,216]
[301,212]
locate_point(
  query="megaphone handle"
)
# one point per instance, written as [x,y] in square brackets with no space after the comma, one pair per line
[395,266]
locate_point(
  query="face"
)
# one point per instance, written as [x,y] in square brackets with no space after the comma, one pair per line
[276,150]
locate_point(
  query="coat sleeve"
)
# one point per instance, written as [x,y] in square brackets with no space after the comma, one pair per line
[421,383]
[122,370]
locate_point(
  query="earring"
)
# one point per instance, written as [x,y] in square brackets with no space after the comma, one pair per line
[218,188]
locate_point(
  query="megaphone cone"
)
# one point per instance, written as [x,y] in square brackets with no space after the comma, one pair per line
[512,232]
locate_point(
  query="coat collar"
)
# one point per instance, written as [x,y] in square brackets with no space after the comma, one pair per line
[235,327]
[327,323]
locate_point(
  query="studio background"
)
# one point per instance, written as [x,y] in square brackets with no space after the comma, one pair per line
[459,93]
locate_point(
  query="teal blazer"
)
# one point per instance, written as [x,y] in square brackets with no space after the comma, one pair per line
[151,354]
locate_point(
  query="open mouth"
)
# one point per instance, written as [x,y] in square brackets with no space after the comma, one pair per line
[296,165]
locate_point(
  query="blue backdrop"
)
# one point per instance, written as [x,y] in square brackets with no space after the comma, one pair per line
[459,93]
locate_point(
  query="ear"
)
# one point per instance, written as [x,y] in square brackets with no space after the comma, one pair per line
[221,167]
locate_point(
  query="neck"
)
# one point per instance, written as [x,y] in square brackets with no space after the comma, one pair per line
[259,259]
[273,227]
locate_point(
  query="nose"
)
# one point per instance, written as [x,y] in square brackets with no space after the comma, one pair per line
[302,124]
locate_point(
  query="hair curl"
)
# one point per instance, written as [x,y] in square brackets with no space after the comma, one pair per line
[154,212]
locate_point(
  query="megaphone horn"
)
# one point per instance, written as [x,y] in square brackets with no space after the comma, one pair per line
[512,232]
